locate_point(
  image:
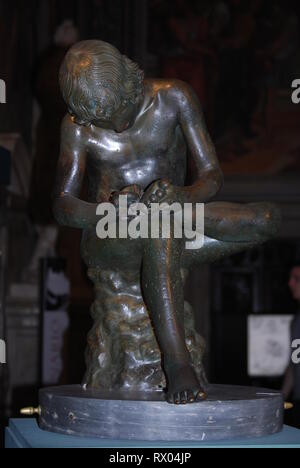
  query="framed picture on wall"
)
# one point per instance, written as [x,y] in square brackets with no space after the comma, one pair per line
[269,344]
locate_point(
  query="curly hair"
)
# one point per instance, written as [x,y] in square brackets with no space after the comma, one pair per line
[96,79]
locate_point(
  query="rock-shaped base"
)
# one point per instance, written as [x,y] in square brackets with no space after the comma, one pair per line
[122,351]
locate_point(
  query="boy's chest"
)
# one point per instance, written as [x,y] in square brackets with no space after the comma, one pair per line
[153,137]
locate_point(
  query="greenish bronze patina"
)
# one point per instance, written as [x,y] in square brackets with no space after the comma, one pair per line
[134,136]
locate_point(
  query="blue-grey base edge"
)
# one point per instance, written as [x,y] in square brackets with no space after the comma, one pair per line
[25,433]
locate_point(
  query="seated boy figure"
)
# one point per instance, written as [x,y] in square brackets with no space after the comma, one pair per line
[134,136]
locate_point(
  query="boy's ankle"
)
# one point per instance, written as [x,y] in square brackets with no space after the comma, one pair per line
[177,360]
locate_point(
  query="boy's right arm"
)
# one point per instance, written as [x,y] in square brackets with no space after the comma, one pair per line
[68,209]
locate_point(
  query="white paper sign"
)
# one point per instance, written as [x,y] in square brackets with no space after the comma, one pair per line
[55,324]
[269,345]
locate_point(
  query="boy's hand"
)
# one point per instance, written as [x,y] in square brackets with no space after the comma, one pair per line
[133,193]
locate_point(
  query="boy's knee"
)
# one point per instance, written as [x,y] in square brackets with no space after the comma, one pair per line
[267,220]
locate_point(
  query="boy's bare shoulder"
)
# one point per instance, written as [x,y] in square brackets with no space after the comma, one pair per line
[70,129]
[172,91]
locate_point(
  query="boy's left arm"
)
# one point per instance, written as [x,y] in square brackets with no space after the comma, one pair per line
[209,176]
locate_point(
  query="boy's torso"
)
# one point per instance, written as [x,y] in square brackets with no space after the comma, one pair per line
[153,148]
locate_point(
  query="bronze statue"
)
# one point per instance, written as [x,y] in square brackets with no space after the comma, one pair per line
[136,137]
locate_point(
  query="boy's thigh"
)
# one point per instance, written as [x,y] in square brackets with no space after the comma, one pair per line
[213,250]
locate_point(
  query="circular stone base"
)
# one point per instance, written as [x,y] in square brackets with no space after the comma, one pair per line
[229,412]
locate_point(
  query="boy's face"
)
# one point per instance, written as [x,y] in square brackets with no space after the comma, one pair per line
[122,119]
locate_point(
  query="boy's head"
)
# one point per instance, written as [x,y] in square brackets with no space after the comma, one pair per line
[100,85]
